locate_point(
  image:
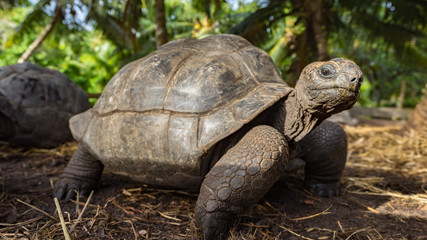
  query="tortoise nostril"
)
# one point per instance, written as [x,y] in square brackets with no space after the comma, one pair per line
[353,80]
[360,80]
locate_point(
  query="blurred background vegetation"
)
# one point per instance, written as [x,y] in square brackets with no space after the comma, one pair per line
[89,40]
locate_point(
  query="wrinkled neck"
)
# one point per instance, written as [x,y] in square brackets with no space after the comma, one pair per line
[294,120]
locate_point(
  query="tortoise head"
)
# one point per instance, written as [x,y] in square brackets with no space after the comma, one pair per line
[329,87]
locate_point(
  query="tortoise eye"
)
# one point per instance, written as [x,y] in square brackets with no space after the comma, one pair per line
[327,70]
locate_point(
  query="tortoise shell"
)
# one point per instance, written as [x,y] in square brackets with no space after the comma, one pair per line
[159,116]
[36,104]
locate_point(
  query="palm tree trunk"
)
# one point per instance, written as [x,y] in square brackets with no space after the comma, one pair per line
[314,8]
[160,19]
[401,95]
[39,40]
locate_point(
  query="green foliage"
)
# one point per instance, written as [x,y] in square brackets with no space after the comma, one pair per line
[90,65]
[387,38]
[85,56]
[389,42]
[8,23]
[9,4]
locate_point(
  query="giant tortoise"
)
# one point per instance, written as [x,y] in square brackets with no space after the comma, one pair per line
[36,104]
[214,115]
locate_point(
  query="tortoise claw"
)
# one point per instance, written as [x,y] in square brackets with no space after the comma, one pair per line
[324,189]
[67,188]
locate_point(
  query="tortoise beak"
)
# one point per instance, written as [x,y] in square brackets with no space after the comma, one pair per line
[350,76]
[350,81]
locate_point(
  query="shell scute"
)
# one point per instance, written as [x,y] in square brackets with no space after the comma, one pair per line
[223,42]
[207,82]
[260,65]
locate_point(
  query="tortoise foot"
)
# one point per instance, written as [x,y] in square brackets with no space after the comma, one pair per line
[324,189]
[214,225]
[67,188]
[81,175]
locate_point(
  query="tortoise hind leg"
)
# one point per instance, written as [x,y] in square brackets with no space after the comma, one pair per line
[239,179]
[81,174]
[325,152]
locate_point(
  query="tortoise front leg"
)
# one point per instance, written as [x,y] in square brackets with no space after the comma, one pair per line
[239,179]
[81,174]
[325,152]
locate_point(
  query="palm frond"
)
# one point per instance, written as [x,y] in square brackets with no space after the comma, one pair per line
[378,27]
[30,22]
[393,34]
[118,23]
[254,26]
[415,56]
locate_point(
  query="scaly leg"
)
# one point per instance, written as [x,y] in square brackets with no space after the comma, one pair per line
[325,152]
[81,174]
[240,178]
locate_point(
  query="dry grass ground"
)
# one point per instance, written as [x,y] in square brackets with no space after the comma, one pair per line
[385,197]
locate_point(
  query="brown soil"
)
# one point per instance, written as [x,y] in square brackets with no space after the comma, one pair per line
[385,197]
